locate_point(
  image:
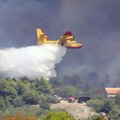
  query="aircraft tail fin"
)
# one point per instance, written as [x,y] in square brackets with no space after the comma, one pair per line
[41,37]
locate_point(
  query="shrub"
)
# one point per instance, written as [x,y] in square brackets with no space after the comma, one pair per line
[31,97]
[117,99]
[19,117]
[96,104]
[115,113]
[97,118]
[107,107]
[2,103]
[18,102]
[58,116]
[43,103]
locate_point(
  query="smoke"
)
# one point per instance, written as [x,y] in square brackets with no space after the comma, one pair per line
[32,62]
[114,68]
[94,23]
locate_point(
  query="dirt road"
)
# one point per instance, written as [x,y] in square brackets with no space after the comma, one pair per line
[78,110]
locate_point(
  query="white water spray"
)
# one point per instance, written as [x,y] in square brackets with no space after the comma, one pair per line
[32,62]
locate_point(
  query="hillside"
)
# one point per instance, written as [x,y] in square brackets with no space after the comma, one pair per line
[78,110]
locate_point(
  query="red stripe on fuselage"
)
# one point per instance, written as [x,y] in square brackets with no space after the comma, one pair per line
[74,47]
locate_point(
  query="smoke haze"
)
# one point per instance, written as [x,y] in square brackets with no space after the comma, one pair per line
[94,23]
[32,62]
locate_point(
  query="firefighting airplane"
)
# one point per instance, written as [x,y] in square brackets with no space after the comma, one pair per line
[66,40]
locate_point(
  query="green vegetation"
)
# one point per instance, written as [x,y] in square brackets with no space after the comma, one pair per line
[96,104]
[58,116]
[100,105]
[92,86]
[33,98]
[77,87]
[3,103]
[68,91]
[95,117]
[110,107]
[25,110]
[21,94]
[117,99]
[115,113]
[106,107]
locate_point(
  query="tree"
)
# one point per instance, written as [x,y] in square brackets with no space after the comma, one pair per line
[44,102]
[2,103]
[115,113]
[44,105]
[96,104]
[7,88]
[95,92]
[21,88]
[117,99]
[69,91]
[107,107]
[43,86]
[18,102]
[31,97]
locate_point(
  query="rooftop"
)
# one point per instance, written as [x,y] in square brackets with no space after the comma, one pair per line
[112,90]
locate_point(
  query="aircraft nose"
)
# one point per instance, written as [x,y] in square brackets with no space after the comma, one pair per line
[80,45]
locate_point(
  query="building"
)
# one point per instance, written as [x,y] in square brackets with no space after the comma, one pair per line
[112,92]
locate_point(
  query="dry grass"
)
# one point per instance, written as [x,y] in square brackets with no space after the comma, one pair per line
[18,117]
[78,110]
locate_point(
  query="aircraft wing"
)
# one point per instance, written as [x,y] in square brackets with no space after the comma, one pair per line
[66,36]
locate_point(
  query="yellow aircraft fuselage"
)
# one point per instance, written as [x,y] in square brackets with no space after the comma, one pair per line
[66,40]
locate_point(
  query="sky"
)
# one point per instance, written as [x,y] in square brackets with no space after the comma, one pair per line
[94,23]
